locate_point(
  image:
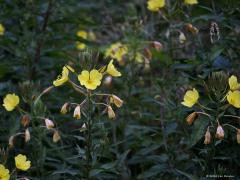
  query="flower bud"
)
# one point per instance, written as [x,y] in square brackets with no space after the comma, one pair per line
[49,124]
[11,141]
[238,136]
[77,112]
[108,81]
[56,136]
[207,139]
[220,132]
[117,101]
[191,28]
[147,53]
[157,45]
[25,120]
[27,135]
[182,38]
[111,114]
[83,128]
[64,108]
[191,117]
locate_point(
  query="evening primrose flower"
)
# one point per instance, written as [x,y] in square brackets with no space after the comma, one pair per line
[155,5]
[233,83]
[190,98]
[22,163]
[82,34]
[112,70]
[2,30]
[10,101]
[233,98]
[117,51]
[90,79]
[4,173]
[62,78]
[190,2]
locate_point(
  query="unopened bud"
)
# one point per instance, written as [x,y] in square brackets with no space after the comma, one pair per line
[25,120]
[27,135]
[11,141]
[182,38]
[77,112]
[117,101]
[157,45]
[191,117]
[147,53]
[108,81]
[191,28]
[56,136]
[220,132]
[207,139]
[49,124]
[83,128]
[238,136]
[64,108]
[111,114]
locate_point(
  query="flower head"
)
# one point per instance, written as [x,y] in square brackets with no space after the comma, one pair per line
[4,173]
[90,79]
[155,5]
[190,2]
[233,98]
[62,78]
[233,83]
[112,70]
[2,30]
[116,51]
[22,163]
[190,98]
[10,101]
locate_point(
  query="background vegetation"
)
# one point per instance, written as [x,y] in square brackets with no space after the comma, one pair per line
[150,138]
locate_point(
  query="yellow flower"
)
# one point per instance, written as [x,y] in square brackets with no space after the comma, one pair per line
[233,98]
[10,101]
[62,78]
[90,79]
[233,83]
[155,5]
[116,51]
[22,163]
[2,30]
[82,34]
[4,173]
[190,98]
[191,2]
[112,70]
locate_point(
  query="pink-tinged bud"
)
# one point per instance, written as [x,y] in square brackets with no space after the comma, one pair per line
[111,114]
[207,139]
[56,136]
[77,112]
[25,120]
[191,117]
[157,45]
[64,108]
[49,124]
[238,136]
[27,135]
[117,101]
[220,132]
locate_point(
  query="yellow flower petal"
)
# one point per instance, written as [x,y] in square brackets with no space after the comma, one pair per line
[233,98]
[190,2]
[10,101]
[22,163]
[62,78]
[155,5]
[190,98]
[112,70]
[4,173]
[117,51]
[2,30]
[233,83]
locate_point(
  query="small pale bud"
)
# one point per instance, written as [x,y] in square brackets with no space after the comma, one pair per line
[220,132]
[207,139]
[157,45]
[182,38]
[49,124]
[25,120]
[56,136]
[117,101]
[11,141]
[83,128]
[77,112]
[191,117]
[27,135]
[111,114]
[238,136]
[108,81]
[64,108]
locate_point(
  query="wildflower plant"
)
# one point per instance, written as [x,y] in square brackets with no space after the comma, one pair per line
[217,116]
[88,82]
